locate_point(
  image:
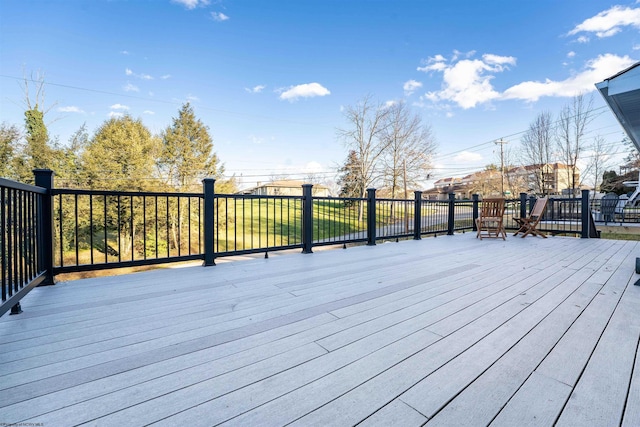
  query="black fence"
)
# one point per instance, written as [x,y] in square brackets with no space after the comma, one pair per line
[23,252]
[48,231]
[620,212]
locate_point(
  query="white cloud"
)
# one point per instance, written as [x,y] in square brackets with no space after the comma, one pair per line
[256,139]
[609,22]
[410,86]
[149,112]
[130,88]
[313,167]
[166,76]
[115,114]
[595,70]
[125,52]
[255,89]
[70,109]
[192,4]
[129,72]
[636,46]
[219,16]
[467,82]
[571,54]
[467,157]
[119,107]
[498,60]
[192,98]
[307,90]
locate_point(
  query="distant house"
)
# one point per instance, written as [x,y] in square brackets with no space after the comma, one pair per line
[553,178]
[286,187]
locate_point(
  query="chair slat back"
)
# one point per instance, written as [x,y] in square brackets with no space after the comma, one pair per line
[492,208]
[539,206]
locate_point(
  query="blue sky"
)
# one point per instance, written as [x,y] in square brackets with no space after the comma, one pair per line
[271,78]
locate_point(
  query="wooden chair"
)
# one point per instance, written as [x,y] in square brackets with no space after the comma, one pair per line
[528,225]
[490,220]
[608,206]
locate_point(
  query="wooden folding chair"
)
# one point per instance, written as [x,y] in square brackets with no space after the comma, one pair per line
[490,219]
[528,224]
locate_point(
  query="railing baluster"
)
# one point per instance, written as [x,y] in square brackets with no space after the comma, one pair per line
[91,226]
[156,227]
[179,228]
[144,228]
[106,237]
[119,227]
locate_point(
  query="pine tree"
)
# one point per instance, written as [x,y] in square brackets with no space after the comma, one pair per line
[187,152]
[350,182]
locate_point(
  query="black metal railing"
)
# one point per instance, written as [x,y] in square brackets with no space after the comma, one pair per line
[21,249]
[623,212]
[563,215]
[434,217]
[248,224]
[106,229]
[339,220]
[48,231]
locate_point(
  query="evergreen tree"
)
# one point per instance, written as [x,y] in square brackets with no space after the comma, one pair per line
[37,138]
[187,152]
[350,182]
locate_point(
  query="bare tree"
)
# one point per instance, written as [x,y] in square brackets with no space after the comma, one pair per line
[38,150]
[600,159]
[536,146]
[366,122]
[410,147]
[516,182]
[570,135]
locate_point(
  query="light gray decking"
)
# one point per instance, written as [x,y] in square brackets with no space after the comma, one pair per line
[453,331]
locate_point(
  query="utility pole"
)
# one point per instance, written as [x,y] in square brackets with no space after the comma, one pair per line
[502,142]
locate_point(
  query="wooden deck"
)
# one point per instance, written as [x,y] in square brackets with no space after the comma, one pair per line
[445,331]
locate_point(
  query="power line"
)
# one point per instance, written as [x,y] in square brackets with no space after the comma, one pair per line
[159,101]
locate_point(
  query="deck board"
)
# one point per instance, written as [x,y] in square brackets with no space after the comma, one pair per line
[449,331]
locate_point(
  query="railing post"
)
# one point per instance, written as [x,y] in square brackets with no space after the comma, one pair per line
[371,216]
[307,218]
[208,185]
[476,202]
[586,214]
[523,205]
[44,179]
[532,201]
[417,215]
[451,217]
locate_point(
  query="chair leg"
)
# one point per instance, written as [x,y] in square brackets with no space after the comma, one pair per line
[536,232]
